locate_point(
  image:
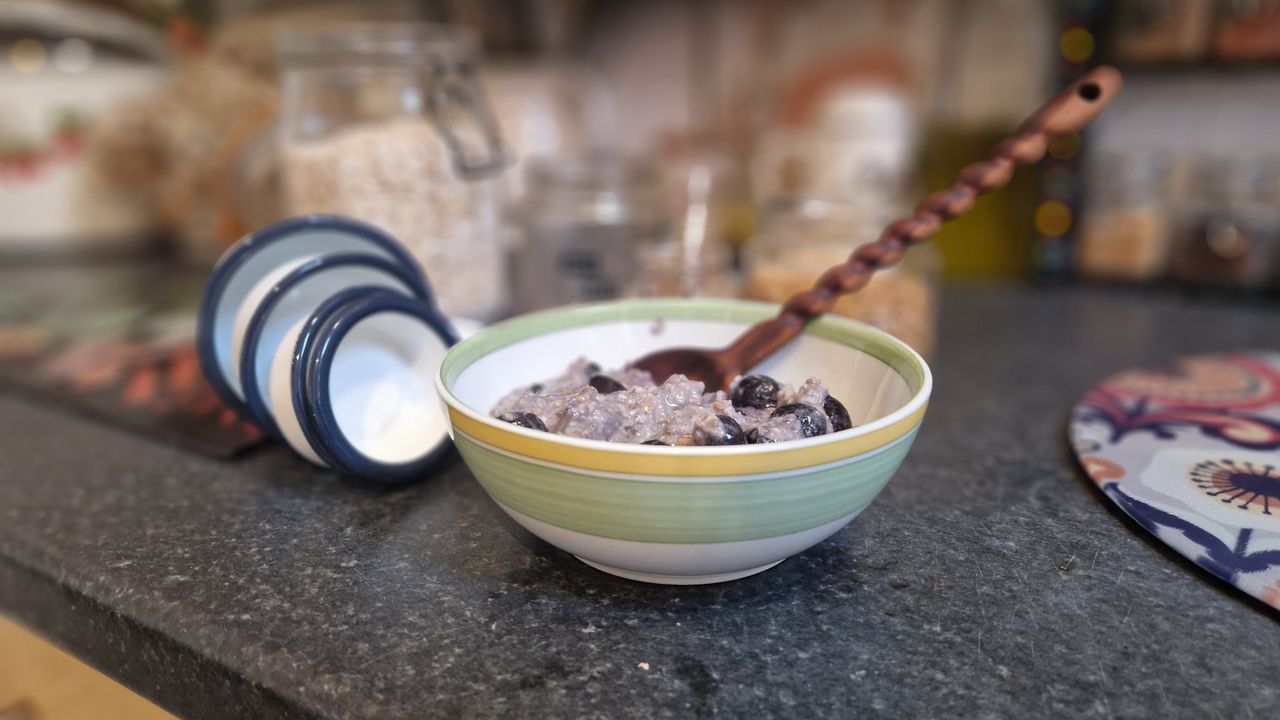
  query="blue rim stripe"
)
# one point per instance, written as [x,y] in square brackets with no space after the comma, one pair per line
[235,258]
[259,409]
[297,367]
[319,363]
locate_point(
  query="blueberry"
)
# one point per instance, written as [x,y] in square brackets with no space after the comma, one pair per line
[525,420]
[654,441]
[812,421]
[837,414]
[727,432]
[756,391]
[605,384]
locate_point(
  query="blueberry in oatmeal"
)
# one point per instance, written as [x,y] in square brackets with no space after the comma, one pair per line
[756,391]
[628,406]
[837,415]
[605,384]
[524,419]
[812,422]
[718,429]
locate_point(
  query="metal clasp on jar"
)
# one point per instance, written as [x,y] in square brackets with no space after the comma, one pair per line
[463,117]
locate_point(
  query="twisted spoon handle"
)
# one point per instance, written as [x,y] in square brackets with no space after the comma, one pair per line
[1066,113]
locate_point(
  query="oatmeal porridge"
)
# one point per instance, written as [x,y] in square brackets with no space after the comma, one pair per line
[628,406]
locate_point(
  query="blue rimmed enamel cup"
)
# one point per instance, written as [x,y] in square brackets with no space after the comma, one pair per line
[351,386]
[259,254]
[278,303]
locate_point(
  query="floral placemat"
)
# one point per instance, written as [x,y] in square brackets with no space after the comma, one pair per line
[1191,451]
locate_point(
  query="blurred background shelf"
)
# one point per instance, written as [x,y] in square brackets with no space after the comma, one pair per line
[756,141]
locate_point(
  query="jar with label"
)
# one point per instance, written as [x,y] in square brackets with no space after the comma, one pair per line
[1229,230]
[589,223]
[386,123]
[798,241]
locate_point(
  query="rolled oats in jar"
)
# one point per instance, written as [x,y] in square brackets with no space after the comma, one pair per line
[386,123]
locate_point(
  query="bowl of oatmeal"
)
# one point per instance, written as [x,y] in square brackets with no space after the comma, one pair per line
[653,481]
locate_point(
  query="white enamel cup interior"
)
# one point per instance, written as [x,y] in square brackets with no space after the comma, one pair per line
[296,305]
[381,387]
[303,245]
[244,313]
[280,389]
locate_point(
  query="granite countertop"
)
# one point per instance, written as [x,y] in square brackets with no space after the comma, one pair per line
[990,579]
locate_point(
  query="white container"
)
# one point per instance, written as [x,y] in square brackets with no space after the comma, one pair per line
[56,78]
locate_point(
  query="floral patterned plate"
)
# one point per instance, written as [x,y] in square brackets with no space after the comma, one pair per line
[1191,452]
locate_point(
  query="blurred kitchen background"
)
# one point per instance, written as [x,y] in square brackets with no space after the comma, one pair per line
[534,153]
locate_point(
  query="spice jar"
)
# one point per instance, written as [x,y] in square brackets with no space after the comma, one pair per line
[387,124]
[1229,232]
[591,224]
[799,240]
[1125,234]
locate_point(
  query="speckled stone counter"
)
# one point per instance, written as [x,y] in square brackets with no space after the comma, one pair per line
[990,579]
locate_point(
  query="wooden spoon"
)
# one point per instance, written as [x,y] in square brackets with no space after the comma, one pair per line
[1066,113]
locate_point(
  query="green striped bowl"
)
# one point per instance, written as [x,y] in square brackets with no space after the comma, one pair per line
[682,515]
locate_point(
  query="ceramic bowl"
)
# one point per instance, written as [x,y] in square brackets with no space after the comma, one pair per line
[289,295]
[255,256]
[682,515]
[351,384]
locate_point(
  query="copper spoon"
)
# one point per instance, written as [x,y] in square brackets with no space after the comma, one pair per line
[1066,113]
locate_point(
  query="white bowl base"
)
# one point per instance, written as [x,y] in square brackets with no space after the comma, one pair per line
[677,579]
[679,563]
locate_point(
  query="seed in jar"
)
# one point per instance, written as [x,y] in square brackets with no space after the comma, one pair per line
[718,430]
[591,368]
[605,384]
[524,419]
[756,391]
[654,441]
[536,388]
[837,415]
[812,422]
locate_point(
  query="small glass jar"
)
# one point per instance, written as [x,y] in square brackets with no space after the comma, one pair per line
[1229,230]
[590,225]
[386,123]
[1125,234]
[799,240]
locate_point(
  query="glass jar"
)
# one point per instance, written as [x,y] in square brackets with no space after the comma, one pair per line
[799,240]
[1229,230]
[386,123]
[590,225]
[1126,234]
